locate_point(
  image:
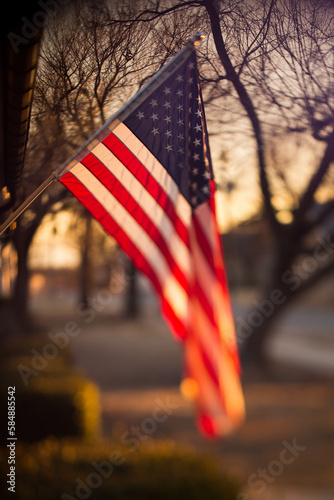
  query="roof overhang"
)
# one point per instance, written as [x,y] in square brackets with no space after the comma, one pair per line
[20,41]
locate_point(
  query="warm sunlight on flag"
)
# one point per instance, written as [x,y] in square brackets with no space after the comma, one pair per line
[147,177]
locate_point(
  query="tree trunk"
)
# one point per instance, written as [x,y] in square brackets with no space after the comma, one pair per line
[255,331]
[85,267]
[279,292]
[22,239]
[132,305]
[21,287]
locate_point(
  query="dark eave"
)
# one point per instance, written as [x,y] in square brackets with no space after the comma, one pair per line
[18,63]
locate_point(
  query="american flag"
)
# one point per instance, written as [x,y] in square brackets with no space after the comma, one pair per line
[146,176]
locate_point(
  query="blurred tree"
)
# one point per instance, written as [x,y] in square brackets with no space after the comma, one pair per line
[132,302]
[269,65]
[85,268]
[90,64]
[282,71]
[267,73]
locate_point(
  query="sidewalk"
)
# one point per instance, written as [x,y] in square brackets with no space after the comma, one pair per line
[136,363]
[303,338]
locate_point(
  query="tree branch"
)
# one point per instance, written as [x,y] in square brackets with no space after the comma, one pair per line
[245,100]
[155,14]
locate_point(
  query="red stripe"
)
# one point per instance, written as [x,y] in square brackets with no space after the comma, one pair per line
[209,367]
[210,315]
[203,300]
[111,226]
[203,242]
[96,167]
[206,425]
[132,163]
[178,328]
[214,257]
[220,268]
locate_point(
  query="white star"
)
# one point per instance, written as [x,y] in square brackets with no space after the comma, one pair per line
[194,185]
[179,78]
[180,107]
[154,103]
[181,151]
[155,131]
[181,165]
[168,119]
[140,115]
[198,128]
[198,113]
[197,142]
[194,200]
[190,80]
[169,148]
[180,122]
[190,95]
[206,189]
[166,90]
[207,175]
[154,116]
[167,105]
[194,171]
[179,93]
[168,133]
[191,65]
[181,137]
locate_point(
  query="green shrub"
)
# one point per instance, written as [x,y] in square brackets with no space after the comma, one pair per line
[54,470]
[57,404]
[55,400]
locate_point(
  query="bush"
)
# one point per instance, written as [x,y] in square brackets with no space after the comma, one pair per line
[58,405]
[68,470]
[54,401]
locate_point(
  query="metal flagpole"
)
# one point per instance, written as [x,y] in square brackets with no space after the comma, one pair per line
[27,202]
[56,174]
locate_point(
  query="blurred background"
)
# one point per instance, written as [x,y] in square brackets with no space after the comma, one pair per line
[99,410]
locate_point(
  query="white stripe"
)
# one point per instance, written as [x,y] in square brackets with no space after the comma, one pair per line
[148,204]
[158,172]
[172,290]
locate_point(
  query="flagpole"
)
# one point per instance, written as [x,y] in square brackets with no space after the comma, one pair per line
[56,174]
[12,218]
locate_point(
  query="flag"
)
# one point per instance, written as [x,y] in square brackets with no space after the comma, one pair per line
[146,176]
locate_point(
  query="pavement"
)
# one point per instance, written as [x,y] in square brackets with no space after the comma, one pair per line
[137,365]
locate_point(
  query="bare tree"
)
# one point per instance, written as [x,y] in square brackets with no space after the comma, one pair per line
[267,63]
[273,67]
[91,62]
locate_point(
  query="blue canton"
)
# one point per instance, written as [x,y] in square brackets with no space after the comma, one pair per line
[171,124]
